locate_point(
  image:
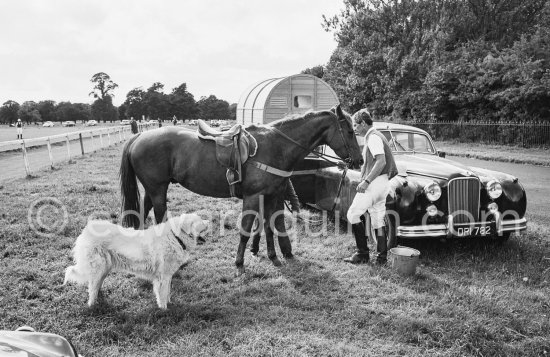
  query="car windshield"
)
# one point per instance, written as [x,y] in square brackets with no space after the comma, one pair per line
[407,141]
[400,142]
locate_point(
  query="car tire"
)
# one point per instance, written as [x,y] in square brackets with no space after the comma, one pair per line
[391,232]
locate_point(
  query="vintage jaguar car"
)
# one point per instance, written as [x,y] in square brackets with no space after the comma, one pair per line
[430,197]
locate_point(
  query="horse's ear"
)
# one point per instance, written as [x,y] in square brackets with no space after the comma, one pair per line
[337,110]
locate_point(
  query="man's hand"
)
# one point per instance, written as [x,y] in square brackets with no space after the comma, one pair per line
[362,187]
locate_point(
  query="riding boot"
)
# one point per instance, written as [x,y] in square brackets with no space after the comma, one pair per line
[361,255]
[381,246]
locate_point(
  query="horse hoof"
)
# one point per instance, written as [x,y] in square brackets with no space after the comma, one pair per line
[276,262]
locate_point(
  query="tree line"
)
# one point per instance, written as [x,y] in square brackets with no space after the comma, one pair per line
[443,59]
[152,103]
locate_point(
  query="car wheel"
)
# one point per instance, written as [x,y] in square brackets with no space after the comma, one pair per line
[391,232]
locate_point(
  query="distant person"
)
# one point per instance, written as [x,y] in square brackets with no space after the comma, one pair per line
[175,120]
[19,127]
[134,126]
[160,122]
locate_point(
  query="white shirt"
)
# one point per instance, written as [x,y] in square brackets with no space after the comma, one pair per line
[375,144]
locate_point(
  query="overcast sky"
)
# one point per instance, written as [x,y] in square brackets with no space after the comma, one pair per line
[50,49]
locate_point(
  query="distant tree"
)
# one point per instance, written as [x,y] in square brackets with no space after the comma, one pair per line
[65,111]
[135,104]
[182,103]
[213,108]
[47,110]
[28,112]
[103,109]
[157,104]
[8,112]
[103,87]
[317,71]
[233,111]
[122,109]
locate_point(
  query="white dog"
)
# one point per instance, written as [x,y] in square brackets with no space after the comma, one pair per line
[154,254]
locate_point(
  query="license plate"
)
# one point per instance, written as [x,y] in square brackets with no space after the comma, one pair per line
[471,230]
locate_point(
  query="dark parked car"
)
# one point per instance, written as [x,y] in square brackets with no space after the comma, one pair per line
[430,197]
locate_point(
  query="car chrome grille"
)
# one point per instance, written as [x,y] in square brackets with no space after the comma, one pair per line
[463,193]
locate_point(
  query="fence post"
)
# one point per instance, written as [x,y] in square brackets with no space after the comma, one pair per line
[50,152]
[100,139]
[92,139]
[523,134]
[120,135]
[68,147]
[109,136]
[81,143]
[25,158]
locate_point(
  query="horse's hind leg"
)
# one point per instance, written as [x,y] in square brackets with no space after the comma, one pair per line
[147,205]
[158,199]
[282,234]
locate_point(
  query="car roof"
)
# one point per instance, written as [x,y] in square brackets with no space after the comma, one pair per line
[379,125]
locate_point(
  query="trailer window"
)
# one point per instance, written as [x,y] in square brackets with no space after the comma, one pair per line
[302,101]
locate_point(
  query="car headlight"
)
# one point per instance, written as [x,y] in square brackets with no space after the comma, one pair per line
[432,191]
[494,189]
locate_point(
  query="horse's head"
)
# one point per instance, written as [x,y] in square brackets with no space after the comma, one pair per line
[341,139]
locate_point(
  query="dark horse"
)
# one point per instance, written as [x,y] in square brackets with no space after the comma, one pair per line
[174,155]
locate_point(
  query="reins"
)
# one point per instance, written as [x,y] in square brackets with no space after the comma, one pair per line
[309,150]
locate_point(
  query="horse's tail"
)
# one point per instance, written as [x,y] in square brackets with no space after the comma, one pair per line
[129,188]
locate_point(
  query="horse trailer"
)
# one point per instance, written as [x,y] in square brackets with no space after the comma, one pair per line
[274,98]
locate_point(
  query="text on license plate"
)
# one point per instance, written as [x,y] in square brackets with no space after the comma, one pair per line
[473,231]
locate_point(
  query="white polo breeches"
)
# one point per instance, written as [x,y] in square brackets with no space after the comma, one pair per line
[372,200]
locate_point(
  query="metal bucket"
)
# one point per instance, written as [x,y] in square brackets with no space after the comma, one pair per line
[404,260]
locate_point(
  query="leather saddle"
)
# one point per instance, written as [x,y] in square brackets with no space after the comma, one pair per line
[233,148]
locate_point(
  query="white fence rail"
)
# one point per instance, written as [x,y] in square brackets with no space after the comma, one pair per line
[68,145]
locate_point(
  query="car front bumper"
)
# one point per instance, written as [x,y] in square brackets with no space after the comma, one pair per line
[449,230]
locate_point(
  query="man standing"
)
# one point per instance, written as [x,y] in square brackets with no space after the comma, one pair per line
[19,127]
[378,168]
[134,125]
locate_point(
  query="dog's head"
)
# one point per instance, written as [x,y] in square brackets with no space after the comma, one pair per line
[193,226]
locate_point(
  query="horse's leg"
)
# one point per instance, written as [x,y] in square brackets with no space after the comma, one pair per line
[269,210]
[250,211]
[282,235]
[147,205]
[158,198]
[256,236]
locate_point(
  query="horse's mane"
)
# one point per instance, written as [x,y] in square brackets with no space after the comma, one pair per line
[290,118]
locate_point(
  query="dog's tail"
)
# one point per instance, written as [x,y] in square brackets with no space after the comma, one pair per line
[129,189]
[73,274]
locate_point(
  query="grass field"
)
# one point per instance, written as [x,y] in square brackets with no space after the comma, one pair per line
[534,156]
[469,298]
